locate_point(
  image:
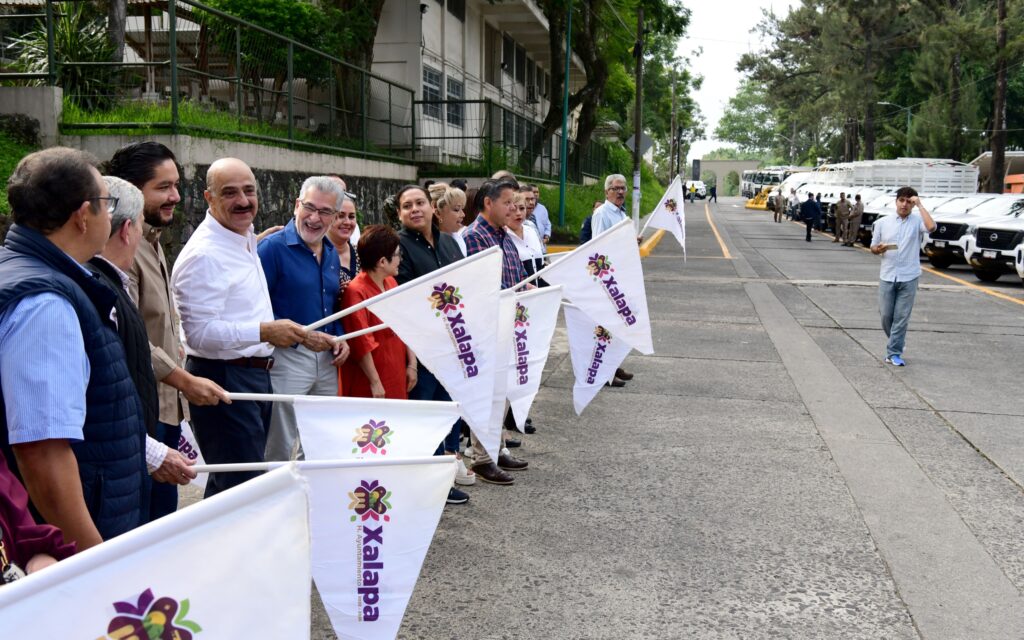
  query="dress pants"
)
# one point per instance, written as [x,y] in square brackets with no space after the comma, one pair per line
[235,432]
[297,371]
[163,496]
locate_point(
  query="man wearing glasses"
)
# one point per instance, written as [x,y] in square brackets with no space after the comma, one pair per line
[302,268]
[613,210]
[73,428]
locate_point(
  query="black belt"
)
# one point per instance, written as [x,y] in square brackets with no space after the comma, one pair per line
[266,364]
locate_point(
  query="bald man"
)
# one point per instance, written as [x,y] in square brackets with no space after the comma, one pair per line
[227,321]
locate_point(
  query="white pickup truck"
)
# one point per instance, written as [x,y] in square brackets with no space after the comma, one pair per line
[991,246]
[945,245]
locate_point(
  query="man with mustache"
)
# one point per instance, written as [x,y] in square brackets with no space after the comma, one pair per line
[302,271]
[228,321]
[153,169]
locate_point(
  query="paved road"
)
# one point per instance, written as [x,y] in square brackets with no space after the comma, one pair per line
[765,475]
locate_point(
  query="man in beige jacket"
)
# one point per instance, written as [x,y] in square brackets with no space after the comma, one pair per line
[152,168]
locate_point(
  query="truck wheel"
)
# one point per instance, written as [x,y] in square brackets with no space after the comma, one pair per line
[987,275]
[943,262]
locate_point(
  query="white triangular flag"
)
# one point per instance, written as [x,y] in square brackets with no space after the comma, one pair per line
[595,355]
[533,327]
[367,555]
[236,565]
[506,317]
[669,214]
[603,278]
[449,318]
[371,429]
[188,446]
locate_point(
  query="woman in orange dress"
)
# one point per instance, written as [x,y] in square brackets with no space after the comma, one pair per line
[379,365]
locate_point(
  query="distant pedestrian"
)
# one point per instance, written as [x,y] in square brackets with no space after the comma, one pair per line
[780,206]
[853,224]
[842,213]
[693,192]
[714,193]
[810,212]
[898,240]
[794,205]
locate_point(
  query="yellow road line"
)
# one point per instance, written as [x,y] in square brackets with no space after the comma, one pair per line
[725,249]
[648,245]
[971,285]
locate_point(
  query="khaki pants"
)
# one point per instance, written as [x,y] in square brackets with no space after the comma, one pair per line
[853,226]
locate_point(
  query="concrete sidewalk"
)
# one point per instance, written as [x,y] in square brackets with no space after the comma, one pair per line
[765,475]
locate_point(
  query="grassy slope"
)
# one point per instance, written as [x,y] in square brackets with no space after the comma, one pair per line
[11,152]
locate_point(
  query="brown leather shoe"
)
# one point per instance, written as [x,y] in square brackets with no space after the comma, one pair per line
[615,382]
[491,473]
[508,463]
[622,374]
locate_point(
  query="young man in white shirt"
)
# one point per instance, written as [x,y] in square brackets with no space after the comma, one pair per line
[898,240]
[227,321]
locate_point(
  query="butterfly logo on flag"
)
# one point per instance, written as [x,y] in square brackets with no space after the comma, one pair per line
[599,265]
[152,619]
[445,298]
[522,316]
[370,501]
[671,205]
[601,335]
[372,437]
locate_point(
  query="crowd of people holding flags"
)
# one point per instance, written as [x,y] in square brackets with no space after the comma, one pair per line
[118,371]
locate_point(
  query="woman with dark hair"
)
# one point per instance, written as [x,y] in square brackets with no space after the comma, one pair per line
[426,249]
[380,365]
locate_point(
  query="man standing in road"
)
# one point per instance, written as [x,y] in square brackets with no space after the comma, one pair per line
[713,194]
[153,169]
[810,213]
[898,240]
[228,321]
[842,219]
[302,269]
[853,224]
[780,205]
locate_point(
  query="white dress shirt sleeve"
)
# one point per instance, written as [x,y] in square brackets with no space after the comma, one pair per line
[201,307]
[156,453]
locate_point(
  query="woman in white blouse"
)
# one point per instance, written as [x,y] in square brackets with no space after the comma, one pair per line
[449,204]
[526,238]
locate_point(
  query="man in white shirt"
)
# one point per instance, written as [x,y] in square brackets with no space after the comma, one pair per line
[898,240]
[227,321]
[613,210]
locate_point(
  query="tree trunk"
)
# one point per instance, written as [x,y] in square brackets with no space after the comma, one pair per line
[350,83]
[117,11]
[869,111]
[956,147]
[998,166]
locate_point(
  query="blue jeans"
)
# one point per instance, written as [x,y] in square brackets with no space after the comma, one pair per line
[895,302]
[428,388]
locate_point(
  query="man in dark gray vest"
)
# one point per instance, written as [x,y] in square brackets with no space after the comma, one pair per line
[72,420]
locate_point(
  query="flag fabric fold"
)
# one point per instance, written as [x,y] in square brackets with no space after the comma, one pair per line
[188,446]
[449,319]
[372,524]
[595,355]
[669,214]
[603,277]
[491,437]
[236,565]
[536,315]
[371,429]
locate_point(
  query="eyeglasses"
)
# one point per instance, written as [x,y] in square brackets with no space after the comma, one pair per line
[617,188]
[111,202]
[323,213]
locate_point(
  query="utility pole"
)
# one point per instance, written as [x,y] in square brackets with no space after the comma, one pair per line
[997,171]
[672,170]
[564,154]
[638,51]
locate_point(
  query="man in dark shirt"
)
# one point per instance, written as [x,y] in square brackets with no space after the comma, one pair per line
[810,212]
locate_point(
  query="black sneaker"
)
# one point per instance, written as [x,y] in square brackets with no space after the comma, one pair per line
[529,428]
[457,497]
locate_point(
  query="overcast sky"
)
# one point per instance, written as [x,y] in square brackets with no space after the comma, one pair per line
[722,29]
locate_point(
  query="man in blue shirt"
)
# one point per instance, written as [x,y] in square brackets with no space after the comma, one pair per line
[898,240]
[72,426]
[302,271]
[810,213]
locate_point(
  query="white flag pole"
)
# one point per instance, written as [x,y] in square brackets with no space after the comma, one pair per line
[361,332]
[320,464]
[290,398]
[433,275]
[579,248]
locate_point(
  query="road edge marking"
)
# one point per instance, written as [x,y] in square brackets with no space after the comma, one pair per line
[725,249]
[648,245]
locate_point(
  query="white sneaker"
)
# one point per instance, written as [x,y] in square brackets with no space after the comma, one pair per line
[463,476]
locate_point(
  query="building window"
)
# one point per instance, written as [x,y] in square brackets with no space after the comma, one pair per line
[521,65]
[458,9]
[492,56]
[508,55]
[455,109]
[431,92]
